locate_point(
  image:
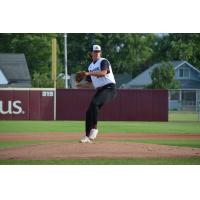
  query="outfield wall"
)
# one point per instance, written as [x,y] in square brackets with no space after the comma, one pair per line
[26,104]
[129,105]
[71,104]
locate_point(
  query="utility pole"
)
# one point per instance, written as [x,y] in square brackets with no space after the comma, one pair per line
[65,53]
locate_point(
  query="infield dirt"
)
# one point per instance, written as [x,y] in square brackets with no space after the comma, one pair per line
[66,146]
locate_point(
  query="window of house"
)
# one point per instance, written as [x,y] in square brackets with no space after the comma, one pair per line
[184,73]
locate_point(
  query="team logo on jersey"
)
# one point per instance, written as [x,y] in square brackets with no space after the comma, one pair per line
[95,69]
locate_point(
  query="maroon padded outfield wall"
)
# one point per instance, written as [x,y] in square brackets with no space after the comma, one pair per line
[71,104]
[26,104]
[129,105]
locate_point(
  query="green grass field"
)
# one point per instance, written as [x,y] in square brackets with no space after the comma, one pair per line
[105,126]
[171,127]
[9,144]
[123,161]
[183,116]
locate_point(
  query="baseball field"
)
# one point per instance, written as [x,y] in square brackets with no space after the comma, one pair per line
[118,143]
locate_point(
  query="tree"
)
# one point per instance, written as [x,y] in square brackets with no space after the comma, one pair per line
[126,51]
[163,77]
[37,49]
[42,80]
[179,46]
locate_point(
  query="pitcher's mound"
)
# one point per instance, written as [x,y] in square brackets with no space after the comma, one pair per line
[100,149]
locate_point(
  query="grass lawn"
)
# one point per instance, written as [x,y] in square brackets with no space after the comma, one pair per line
[104,126]
[10,144]
[123,161]
[183,116]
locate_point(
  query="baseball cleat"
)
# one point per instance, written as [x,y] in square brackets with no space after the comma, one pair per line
[85,139]
[93,134]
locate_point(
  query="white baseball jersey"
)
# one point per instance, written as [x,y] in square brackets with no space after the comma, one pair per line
[104,80]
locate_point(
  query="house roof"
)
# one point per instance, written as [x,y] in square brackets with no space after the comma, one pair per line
[142,79]
[3,79]
[14,67]
[122,78]
[145,77]
[176,67]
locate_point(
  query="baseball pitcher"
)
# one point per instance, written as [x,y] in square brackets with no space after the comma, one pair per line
[101,76]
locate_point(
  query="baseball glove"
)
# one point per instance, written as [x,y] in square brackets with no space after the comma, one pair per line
[80,76]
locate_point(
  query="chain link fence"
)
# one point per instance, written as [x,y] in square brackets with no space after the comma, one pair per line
[184,105]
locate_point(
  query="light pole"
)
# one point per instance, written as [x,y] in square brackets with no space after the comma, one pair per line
[65,54]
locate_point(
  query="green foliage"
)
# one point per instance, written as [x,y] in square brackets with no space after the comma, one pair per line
[163,77]
[60,83]
[178,46]
[42,80]
[36,47]
[128,52]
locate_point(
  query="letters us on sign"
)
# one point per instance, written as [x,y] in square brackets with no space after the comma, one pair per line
[11,107]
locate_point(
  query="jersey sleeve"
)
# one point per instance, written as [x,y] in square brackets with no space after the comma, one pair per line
[105,65]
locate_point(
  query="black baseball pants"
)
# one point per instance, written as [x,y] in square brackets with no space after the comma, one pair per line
[102,96]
